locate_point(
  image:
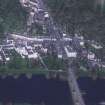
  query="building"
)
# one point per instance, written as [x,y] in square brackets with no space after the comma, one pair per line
[29,3]
[45,50]
[90,56]
[22,51]
[31,53]
[46,15]
[82,43]
[1,59]
[70,52]
[60,56]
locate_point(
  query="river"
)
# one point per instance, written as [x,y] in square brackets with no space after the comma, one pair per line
[38,89]
[94,90]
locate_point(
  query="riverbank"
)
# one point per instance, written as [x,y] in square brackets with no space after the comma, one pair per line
[59,73]
[94,74]
[16,73]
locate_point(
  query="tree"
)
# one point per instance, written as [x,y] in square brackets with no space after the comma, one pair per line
[16,63]
[79,16]
[12,16]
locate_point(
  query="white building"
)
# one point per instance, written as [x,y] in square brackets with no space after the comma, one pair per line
[60,56]
[45,50]
[34,56]
[30,4]
[67,39]
[82,43]
[46,14]
[31,53]
[6,56]
[10,41]
[79,37]
[64,34]
[70,52]
[91,56]
[23,2]
[22,51]
[1,58]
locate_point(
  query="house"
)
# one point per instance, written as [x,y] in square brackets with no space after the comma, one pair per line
[31,53]
[1,57]
[82,43]
[46,15]
[64,34]
[91,56]
[45,50]
[8,47]
[60,53]
[79,37]
[103,64]
[10,41]
[60,56]
[70,52]
[6,55]
[22,51]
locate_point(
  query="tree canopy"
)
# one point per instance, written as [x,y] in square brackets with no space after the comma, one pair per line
[79,16]
[12,16]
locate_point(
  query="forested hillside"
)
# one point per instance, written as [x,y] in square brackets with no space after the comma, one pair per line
[12,16]
[80,16]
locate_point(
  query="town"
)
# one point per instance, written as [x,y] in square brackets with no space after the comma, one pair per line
[35,47]
[74,51]
[40,46]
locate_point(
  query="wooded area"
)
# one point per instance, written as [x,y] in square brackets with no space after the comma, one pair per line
[80,16]
[75,16]
[12,17]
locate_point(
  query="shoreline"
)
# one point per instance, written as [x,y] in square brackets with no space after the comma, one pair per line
[49,75]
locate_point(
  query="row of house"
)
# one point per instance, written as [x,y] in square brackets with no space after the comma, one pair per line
[25,50]
[4,56]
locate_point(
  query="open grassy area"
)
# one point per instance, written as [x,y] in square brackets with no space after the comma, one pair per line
[54,63]
[18,65]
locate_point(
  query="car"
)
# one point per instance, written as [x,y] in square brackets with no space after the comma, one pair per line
[46,14]
[64,34]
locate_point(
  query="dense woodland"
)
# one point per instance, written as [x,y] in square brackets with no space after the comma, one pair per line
[74,16]
[12,17]
[80,16]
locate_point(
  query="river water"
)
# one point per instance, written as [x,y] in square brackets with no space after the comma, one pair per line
[94,90]
[38,89]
